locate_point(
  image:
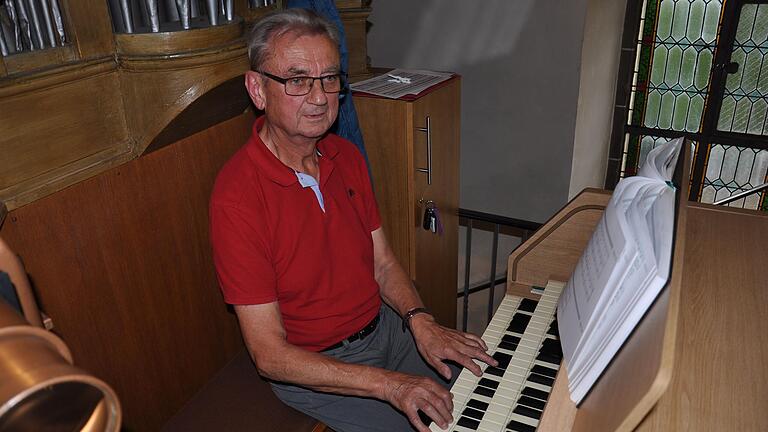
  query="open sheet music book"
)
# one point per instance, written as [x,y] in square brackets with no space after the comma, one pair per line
[623,268]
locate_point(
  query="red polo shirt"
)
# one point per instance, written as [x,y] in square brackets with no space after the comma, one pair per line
[272,241]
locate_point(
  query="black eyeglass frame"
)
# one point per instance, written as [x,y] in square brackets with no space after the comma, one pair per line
[341,76]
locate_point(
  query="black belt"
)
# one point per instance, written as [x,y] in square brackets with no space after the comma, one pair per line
[362,334]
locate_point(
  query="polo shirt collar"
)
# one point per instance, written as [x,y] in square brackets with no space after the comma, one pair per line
[277,171]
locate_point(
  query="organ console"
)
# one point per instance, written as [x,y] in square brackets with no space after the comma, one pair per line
[694,362]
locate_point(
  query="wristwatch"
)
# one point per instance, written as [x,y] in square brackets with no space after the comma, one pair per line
[410,314]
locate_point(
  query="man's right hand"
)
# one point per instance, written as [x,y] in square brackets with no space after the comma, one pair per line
[410,393]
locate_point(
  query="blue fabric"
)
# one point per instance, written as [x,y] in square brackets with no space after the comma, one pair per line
[306,181]
[346,125]
[8,292]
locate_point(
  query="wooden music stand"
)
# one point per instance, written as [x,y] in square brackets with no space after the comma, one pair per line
[694,362]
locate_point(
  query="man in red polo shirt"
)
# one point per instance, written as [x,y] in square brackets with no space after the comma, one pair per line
[300,253]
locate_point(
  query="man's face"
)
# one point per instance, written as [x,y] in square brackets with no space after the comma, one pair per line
[298,117]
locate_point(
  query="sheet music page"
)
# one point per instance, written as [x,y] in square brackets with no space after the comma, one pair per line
[621,271]
[604,263]
[400,82]
[633,295]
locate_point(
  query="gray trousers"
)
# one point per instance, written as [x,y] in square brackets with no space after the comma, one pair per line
[388,347]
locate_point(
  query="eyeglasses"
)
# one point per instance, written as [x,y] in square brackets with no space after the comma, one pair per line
[301,85]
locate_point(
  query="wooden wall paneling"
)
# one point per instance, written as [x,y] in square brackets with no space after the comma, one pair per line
[155,89]
[436,255]
[122,264]
[58,130]
[17,64]
[88,26]
[391,169]
[355,22]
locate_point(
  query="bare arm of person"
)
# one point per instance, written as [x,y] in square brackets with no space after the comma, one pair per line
[279,360]
[435,342]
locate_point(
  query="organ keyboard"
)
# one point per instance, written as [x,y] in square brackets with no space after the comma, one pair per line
[522,337]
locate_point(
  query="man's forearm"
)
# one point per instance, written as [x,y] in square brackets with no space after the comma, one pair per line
[294,365]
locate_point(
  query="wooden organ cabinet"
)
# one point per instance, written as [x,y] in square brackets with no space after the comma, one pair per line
[413,150]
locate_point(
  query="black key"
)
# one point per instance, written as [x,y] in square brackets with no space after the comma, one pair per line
[473,413]
[478,405]
[519,323]
[551,346]
[508,346]
[520,427]
[485,391]
[553,330]
[474,403]
[527,305]
[494,371]
[528,412]
[542,370]
[424,418]
[511,339]
[549,358]
[536,393]
[541,379]
[531,402]
[485,382]
[502,358]
[468,423]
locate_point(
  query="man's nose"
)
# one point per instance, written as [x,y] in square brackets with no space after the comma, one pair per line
[317,95]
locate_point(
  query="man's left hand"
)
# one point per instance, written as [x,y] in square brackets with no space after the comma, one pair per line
[437,343]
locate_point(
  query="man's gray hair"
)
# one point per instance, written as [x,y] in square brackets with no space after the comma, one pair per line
[295,20]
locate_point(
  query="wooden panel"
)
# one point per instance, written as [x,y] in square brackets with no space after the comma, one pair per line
[553,250]
[719,381]
[355,30]
[122,263]
[436,269]
[156,90]
[384,123]
[60,125]
[89,27]
[395,148]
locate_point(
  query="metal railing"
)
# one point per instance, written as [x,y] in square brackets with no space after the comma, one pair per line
[496,224]
[741,195]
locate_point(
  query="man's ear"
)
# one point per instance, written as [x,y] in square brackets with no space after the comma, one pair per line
[255,87]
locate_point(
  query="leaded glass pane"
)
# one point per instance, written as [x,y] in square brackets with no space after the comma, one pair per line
[678,79]
[731,170]
[746,91]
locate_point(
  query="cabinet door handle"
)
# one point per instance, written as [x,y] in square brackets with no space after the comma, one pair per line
[428,169]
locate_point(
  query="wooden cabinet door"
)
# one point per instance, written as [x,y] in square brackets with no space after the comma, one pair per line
[435,256]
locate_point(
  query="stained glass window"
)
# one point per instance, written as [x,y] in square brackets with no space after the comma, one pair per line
[697,68]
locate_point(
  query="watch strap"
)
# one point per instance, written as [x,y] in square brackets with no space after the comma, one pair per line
[410,314]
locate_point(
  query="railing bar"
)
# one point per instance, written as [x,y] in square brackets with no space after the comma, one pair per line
[501,220]
[10,10]
[741,194]
[481,287]
[494,253]
[467,264]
